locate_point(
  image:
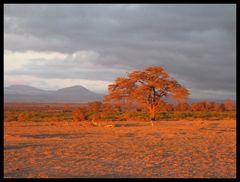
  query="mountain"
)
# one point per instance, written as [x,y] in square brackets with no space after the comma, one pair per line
[24,93]
[75,90]
[19,89]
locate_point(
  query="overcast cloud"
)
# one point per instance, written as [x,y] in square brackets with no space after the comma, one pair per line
[53,46]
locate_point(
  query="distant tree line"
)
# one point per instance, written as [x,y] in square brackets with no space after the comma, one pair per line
[101,111]
[123,111]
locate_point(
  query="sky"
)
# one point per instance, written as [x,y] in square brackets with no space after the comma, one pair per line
[53,46]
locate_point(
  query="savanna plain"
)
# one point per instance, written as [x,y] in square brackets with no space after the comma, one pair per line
[185,148]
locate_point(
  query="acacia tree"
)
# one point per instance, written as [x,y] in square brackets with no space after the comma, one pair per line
[148,88]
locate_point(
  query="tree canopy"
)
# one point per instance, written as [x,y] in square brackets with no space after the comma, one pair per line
[148,88]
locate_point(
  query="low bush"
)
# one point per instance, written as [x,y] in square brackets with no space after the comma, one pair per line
[22,117]
[78,115]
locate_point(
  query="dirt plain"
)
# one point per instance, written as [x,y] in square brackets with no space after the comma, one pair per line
[130,149]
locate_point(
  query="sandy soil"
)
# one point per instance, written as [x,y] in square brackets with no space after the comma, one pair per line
[169,149]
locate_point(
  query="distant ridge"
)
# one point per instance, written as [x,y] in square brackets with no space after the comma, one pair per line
[25,93]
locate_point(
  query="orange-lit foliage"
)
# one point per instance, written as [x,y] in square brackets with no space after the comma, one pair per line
[182,107]
[96,117]
[214,106]
[147,87]
[40,112]
[22,117]
[126,105]
[66,107]
[107,107]
[200,106]
[79,115]
[207,106]
[229,105]
[95,106]
[169,107]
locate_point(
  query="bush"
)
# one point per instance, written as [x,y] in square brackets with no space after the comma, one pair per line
[78,115]
[96,116]
[22,117]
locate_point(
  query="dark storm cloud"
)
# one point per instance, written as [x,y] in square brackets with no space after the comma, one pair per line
[195,43]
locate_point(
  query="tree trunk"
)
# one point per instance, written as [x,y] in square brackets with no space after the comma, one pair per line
[152,112]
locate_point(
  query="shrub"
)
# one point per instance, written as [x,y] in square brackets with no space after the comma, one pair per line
[126,116]
[22,117]
[229,105]
[78,115]
[96,116]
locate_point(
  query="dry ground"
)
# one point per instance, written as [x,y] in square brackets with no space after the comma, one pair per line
[169,149]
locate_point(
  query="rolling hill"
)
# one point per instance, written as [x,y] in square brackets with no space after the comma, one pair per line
[24,93]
